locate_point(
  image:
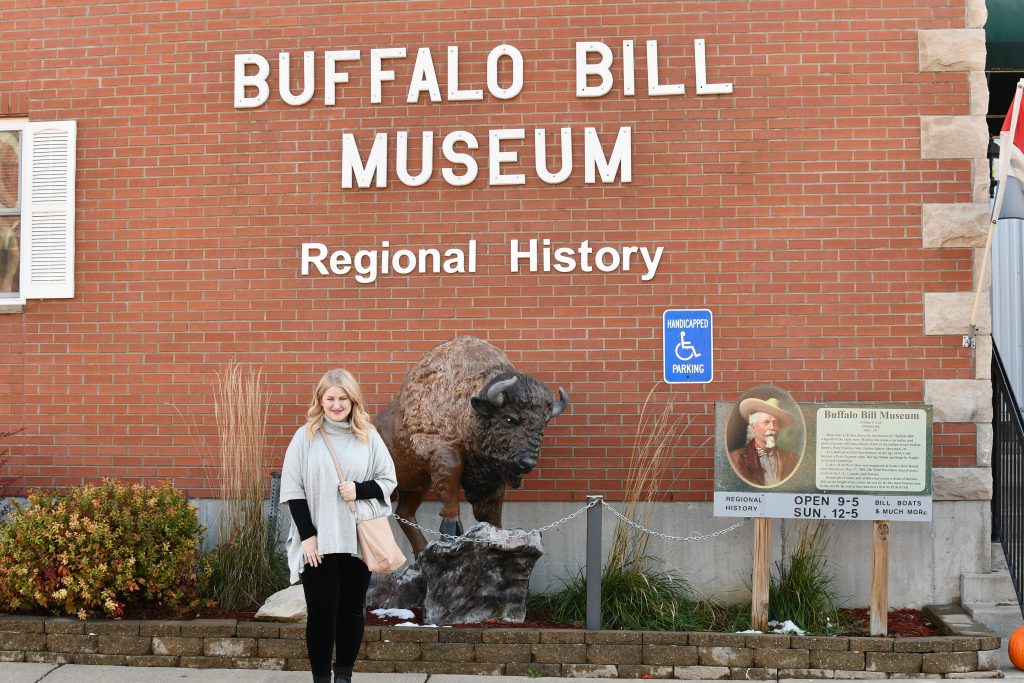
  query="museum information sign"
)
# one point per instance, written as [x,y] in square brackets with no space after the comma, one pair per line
[853,461]
[872,449]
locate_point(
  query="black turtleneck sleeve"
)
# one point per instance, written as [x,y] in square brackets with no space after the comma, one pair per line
[303,520]
[366,490]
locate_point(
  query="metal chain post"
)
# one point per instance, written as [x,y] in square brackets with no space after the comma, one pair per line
[594,563]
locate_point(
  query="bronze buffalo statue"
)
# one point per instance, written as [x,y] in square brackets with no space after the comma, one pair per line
[464,417]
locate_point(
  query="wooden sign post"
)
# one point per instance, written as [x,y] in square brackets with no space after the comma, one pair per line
[880,578]
[762,568]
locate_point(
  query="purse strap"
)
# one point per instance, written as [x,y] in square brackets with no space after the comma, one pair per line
[337,466]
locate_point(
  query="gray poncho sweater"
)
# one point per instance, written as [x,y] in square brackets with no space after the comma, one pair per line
[309,474]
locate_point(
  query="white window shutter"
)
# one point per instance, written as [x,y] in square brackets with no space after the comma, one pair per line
[48,212]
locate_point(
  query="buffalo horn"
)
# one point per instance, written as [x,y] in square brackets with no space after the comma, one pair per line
[494,394]
[561,404]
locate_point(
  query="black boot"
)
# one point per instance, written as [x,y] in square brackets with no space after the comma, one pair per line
[342,674]
[322,679]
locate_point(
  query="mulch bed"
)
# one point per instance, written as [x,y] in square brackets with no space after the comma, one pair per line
[902,623]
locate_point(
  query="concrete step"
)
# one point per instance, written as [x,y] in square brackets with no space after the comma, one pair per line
[1000,619]
[998,558]
[994,587]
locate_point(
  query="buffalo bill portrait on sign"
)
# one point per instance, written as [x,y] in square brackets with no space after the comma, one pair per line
[765,437]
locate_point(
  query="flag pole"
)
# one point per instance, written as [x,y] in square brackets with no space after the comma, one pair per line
[1006,139]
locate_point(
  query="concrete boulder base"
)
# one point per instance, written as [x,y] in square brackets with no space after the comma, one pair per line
[480,576]
[287,605]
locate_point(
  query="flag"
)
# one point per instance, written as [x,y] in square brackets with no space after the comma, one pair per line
[1012,188]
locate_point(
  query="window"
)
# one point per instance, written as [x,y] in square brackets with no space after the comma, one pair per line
[10,213]
[37,209]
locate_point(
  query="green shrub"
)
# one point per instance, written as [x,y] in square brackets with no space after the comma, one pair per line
[802,590]
[100,549]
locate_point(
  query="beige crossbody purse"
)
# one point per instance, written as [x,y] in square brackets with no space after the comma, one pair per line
[377,543]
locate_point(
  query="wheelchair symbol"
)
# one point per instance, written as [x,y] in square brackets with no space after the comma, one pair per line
[685,350]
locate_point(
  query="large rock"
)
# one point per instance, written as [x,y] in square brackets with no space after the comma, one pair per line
[288,604]
[477,577]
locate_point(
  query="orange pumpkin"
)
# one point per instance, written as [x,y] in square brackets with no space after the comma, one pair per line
[1015,648]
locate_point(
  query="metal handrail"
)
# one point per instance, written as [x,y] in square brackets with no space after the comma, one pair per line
[1008,474]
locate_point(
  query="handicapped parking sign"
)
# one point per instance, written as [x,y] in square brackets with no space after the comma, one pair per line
[687,346]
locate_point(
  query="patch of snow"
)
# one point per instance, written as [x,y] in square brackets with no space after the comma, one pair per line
[785,627]
[396,613]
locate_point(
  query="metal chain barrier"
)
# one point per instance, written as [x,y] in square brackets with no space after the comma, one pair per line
[563,520]
[651,532]
[486,542]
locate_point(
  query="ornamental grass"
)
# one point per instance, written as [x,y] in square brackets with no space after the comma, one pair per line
[248,564]
[802,588]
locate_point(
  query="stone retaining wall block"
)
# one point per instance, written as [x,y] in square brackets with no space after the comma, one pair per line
[894,663]
[833,659]
[589,671]
[448,652]
[696,673]
[150,660]
[205,662]
[671,655]
[782,659]
[397,652]
[560,653]
[807,673]
[503,654]
[125,645]
[637,671]
[209,628]
[62,625]
[508,636]
[178,646]
[279,647]
[60,642]
[229,647]
[533,670]
[477,669]
[22,641]
[718,639]
[736,657]
[614,654]
[100,660]
[951,662]
[754,674]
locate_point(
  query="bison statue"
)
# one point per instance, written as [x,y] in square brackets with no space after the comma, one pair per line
[464,417]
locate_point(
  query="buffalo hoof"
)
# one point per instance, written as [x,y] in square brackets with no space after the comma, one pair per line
[452,527]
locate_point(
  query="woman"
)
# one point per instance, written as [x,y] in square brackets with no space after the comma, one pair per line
[322,545]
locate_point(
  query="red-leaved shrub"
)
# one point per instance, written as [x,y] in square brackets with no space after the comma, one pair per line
[99,549]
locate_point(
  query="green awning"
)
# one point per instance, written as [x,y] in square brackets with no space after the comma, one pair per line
[1004,35]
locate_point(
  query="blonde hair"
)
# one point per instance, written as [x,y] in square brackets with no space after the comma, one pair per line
[343,379]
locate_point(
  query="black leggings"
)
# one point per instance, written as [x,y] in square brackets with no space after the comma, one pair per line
[335,594]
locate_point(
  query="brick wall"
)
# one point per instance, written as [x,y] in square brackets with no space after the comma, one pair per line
[791,208]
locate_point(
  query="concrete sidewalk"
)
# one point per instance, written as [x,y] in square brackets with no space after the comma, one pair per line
[23,672]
